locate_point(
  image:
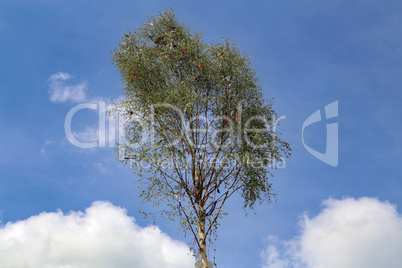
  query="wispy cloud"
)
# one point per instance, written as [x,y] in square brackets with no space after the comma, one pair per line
[101,237]
[60,91]
[89,134]
[348,233]
[52,146]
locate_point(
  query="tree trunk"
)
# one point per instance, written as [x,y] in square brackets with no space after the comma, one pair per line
[201,219]
[203,245]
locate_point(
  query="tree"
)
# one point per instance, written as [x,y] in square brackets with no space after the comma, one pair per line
[198,129]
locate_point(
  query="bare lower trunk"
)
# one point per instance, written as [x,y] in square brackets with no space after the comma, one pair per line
[203,245]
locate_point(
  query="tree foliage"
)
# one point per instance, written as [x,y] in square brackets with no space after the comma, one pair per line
[197,127]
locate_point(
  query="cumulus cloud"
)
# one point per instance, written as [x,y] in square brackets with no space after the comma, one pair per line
[348,233]
[61,92]
[101,237]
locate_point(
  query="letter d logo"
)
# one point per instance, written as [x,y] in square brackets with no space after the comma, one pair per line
[331,152]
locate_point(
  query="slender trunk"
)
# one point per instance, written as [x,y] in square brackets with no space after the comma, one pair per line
[201,220]
[203,245]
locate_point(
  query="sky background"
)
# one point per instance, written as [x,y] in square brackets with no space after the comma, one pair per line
[308,54]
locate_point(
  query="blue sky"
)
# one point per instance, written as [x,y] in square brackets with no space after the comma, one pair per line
[307,53]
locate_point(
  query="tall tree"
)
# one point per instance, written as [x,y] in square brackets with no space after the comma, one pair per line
[197,127]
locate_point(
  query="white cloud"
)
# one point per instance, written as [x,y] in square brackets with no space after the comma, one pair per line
[89,138]
[53,146]
[101,237]
[348,233]
[89,134]
[61,92]
[48,143]
[101,167]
